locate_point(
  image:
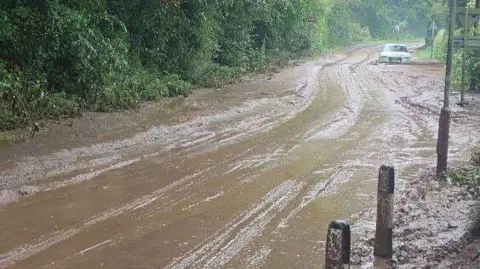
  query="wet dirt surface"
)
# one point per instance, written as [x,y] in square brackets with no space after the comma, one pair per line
[434,227]
[247,176]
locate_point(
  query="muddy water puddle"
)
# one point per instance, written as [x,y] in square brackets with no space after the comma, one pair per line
[248,176]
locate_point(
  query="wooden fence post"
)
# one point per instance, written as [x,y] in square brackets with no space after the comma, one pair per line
[384,228]
[337,251]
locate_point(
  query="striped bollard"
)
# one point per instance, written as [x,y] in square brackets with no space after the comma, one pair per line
[337,251]
[383,234]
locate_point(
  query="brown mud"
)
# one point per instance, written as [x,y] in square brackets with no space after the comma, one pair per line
[246,176]
[435,225]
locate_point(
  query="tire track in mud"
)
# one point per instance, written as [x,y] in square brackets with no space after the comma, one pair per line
[267,146]
[318,189]
[135,205]
[221,247]
[161,139]
[422,106]
[23,252]
[406,157]
[82,160]
[147,200]
[354,95]
[165,138]
[313,191]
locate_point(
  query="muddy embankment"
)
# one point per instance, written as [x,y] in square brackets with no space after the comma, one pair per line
[436,225]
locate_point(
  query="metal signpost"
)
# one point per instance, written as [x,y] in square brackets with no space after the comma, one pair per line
[464,56]
[467,18]
[472,42]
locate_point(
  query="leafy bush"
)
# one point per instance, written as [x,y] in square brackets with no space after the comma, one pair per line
[440,53]
[440,45]
[23,101]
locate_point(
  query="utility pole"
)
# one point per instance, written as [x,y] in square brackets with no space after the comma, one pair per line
[444,122]
[464,60]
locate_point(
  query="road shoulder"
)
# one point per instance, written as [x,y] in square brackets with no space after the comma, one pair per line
[435,226]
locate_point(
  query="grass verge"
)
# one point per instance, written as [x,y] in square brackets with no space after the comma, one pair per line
[424,53]
[468,175]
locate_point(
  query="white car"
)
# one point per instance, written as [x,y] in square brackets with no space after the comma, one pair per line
[395,53]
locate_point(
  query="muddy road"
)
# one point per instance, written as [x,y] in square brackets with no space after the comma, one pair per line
[247,176]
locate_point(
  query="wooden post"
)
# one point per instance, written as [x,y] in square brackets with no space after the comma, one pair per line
[384,233]
[444,122]
[337,251]
[442,142]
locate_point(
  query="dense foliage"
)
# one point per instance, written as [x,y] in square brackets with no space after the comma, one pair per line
[472,57]
[60,56]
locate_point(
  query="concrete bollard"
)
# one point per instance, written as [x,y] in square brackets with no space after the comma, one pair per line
[384,233]
[337,251]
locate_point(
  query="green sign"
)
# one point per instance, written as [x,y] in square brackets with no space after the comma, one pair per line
[468,15]
[473,42]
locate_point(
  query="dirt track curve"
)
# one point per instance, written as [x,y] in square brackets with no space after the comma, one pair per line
[248,176]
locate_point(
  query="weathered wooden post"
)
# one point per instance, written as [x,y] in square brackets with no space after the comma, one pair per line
[445,112]
[384,233]
[337,251]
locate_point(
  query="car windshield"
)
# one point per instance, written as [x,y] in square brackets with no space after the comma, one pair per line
[395,48]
